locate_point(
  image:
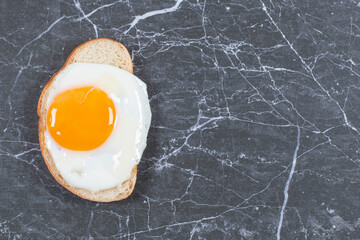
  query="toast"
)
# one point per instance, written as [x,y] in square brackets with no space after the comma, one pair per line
[102,51]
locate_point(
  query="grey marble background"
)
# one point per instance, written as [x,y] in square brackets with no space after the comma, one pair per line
[255,131]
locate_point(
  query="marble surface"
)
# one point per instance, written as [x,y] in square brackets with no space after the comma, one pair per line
[255,131]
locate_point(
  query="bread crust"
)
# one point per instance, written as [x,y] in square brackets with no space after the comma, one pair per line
[108,195]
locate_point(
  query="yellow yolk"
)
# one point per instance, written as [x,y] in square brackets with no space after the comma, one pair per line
[81,119]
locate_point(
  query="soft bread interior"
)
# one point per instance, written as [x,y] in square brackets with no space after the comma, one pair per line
[103,51]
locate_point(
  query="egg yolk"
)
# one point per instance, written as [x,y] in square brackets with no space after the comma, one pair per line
[81,119]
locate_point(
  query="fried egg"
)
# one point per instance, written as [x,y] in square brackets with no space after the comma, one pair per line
[97,123]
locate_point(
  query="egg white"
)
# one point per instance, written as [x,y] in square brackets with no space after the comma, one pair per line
[110,164]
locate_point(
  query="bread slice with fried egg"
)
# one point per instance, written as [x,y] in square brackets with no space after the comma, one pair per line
[98,51]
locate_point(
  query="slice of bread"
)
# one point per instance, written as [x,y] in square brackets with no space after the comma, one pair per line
[104,51]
